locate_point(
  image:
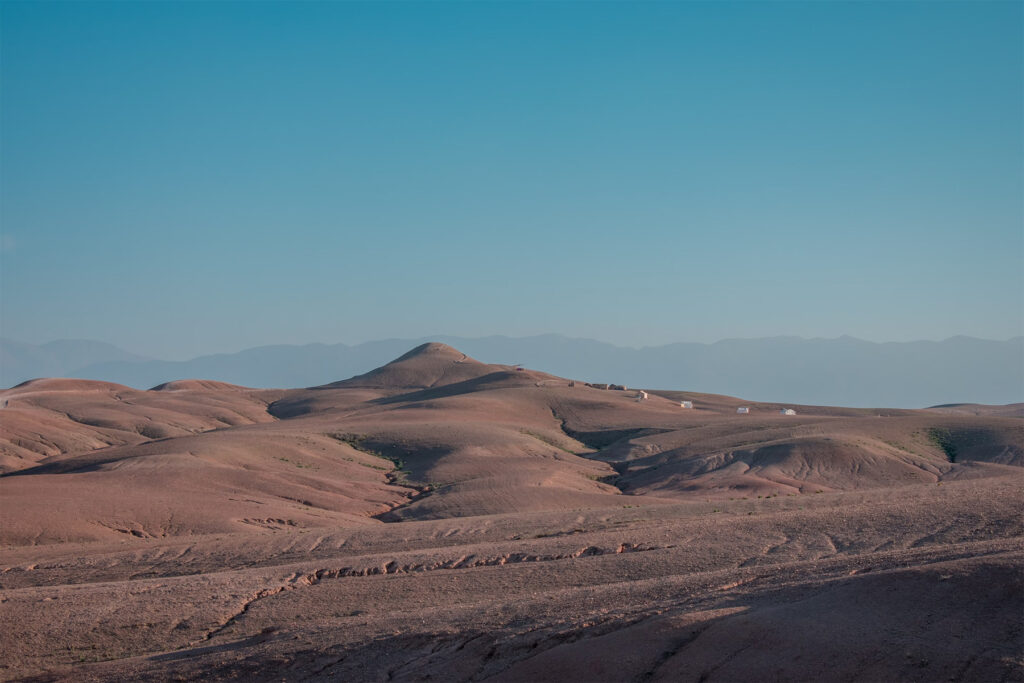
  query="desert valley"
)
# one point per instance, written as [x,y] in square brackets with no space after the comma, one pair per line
[525,342]
[439,518]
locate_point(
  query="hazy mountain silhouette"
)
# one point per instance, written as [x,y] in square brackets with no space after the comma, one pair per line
[62,358]
[843,371]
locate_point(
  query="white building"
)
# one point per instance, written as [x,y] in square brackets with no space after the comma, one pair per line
[787,411]
[743,410]
[686,404]
[641,396]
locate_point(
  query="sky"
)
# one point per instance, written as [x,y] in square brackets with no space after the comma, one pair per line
[189,178]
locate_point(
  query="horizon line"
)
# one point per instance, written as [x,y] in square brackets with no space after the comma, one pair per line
[428,338]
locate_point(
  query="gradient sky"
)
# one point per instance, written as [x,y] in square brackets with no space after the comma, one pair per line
[185,178]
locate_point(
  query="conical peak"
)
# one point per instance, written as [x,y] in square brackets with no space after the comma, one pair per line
[427,365]
[432,349]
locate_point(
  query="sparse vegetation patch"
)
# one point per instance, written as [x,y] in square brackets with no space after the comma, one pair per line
[549,441]
[943,438]
[399,474]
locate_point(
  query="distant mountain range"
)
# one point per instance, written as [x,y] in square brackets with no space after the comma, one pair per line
[844,371]
[62,358]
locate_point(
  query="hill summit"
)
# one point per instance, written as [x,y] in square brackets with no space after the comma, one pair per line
[428,365]
[434,349]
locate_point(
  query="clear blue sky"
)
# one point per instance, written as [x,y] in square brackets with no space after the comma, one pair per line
[184,178]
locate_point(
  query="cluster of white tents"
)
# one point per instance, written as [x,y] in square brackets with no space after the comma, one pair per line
[742,410]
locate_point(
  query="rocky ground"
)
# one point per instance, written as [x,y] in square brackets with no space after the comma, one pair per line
[442,519]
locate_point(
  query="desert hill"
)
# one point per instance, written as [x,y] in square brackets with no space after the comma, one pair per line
[629,535]
[1011,410]
[439,434]
[49,417]
[428,365]
[842,371]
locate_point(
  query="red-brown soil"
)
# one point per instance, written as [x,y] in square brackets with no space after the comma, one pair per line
[440,518]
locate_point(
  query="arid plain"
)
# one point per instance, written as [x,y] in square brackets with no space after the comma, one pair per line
[444,519]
